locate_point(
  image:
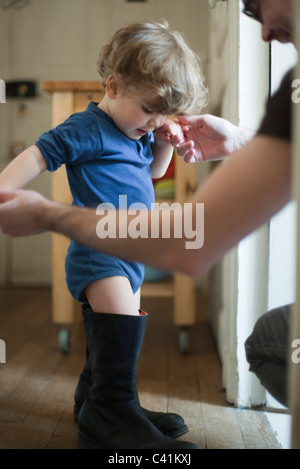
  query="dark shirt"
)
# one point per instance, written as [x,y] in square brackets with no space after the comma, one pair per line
[277,121]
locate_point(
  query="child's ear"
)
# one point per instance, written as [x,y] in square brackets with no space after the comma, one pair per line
[111,87]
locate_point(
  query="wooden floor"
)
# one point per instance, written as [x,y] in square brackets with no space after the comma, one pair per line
[37,381]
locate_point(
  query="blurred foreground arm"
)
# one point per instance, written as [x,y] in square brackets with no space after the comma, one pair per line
[241,194]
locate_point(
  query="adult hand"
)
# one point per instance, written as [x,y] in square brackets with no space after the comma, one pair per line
[20,212]
[209,137]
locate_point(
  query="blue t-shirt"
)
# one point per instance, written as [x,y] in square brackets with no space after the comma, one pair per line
[102,164]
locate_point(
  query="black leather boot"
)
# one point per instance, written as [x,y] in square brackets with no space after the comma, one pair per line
[110,417]
[169,424]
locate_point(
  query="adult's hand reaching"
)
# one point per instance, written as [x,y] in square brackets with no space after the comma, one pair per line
[209,137]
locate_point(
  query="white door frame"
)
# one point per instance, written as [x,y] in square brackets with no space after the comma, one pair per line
[244,268]
[294,384]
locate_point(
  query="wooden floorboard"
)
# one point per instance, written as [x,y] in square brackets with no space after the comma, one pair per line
[37,381]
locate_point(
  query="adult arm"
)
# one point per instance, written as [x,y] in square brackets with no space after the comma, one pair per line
[242,193]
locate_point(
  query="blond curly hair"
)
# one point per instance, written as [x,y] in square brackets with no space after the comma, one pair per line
[151,56]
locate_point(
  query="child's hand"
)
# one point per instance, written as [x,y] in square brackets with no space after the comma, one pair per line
[170,132]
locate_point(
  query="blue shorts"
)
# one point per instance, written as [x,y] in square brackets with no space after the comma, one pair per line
[84,266]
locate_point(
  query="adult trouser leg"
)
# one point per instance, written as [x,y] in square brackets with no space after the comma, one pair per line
[267,350]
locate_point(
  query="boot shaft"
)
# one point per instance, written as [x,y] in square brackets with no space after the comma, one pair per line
[111,417]
[114,343]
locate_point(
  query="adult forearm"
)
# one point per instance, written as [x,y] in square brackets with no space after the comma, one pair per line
[152,247]
[240,195]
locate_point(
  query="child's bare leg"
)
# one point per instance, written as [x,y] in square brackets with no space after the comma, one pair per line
[113,295]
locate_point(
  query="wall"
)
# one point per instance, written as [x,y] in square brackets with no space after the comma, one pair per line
[240,279]
[60,40]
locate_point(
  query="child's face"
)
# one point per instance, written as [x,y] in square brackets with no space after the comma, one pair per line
[132,113]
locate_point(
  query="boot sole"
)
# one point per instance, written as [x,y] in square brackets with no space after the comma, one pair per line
[172,433]
[86,442]
[178,432]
